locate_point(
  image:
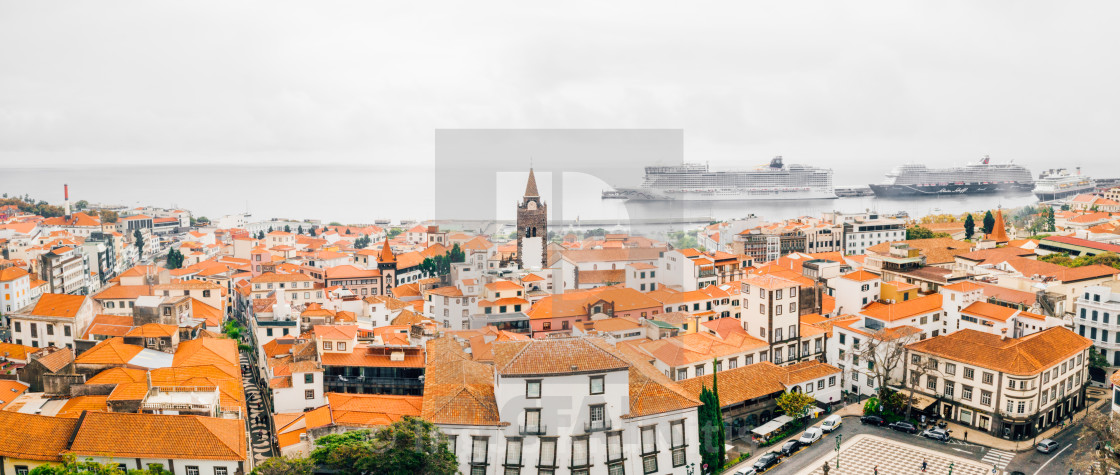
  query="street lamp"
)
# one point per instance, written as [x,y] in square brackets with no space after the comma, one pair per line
[838,436]
[950,469]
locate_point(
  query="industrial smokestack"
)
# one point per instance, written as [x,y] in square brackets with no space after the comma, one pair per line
[66,196]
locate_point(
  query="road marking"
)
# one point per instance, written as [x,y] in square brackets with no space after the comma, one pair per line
[1052,458]
[998,458]
[961,450]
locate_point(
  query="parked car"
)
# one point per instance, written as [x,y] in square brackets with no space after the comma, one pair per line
[811,435]
[936,434]
[873,420]
[748,471]
[831,423]
[1046,446]
[766,461]
[903,426]
[791,447]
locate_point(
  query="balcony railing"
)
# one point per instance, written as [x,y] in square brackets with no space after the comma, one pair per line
[532,430]
[596,426]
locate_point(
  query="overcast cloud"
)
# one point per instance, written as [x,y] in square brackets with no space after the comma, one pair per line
[365,83]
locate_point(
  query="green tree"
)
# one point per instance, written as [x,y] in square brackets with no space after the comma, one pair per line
[710,419]
[108,217]
[969,227]
[918,232]
[335,223]
[285,466]
[139,241]
[394,232]
[270,230]
[299,229]
[287,228]
[1050,219]
[174,259]
[1097,360]
[81,204]
[795,405]
[989,222]
[406,447]
[203,220]
[260,234]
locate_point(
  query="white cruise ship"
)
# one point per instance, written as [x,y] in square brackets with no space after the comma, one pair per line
[695,182]
[1059,183]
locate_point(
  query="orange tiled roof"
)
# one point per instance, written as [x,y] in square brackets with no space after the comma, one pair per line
[157,436]
[59,305]
[368,410]
[651,392]
[1024,356]
[558,356]
[113,351]
[37,438]
[905,309]
[458,390]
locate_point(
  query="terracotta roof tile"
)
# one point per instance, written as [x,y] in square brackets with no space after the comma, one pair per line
[556,356]
[135,435]
[1023,356]
[38,437]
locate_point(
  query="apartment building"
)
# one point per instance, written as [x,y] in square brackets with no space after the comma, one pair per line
[1008,387]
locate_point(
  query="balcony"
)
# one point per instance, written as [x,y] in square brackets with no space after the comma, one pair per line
[597,426]
[532,430]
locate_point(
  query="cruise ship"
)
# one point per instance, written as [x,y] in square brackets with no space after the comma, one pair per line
[696,182]
[975,178]
[1058,183]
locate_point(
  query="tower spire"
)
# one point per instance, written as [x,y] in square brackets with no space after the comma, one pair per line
[531,186]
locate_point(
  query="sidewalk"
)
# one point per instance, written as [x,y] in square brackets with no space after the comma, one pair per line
[988,440]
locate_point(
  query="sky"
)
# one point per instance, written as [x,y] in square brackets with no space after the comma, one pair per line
[336,83]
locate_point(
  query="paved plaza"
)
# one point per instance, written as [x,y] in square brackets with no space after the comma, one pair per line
[864,452]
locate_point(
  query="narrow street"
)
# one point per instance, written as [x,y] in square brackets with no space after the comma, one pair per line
[258,419]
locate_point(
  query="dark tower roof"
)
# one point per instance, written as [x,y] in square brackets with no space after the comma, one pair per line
[531,187]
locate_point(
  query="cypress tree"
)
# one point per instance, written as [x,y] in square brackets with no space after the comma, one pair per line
[969,227]
[989,222]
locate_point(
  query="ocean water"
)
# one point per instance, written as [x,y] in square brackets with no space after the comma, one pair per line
[363,194]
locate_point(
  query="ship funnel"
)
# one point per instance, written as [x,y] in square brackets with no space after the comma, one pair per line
[776,162]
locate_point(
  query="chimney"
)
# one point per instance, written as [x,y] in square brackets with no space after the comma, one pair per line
[1003,334]
[66,197]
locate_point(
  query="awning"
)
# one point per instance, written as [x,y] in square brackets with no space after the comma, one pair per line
[923,402]
[773,425]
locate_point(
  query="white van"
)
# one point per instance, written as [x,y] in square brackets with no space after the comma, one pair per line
[831,423]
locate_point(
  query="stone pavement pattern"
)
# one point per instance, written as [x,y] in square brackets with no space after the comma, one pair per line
[892,458]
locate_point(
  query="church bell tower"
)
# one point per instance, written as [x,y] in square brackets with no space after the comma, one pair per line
[532,227]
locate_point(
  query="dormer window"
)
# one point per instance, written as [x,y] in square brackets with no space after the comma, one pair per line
[326,345]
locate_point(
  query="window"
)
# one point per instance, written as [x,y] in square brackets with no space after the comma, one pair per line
[966,393]
[220,470]
[309,394]
[682,374]
[986,398]
[66,330]
[533,389]
[950,368]
[820,384]
[793,307]
[533,421]
[598,415]
[580,451]
[614,446]
[192,470]
[677,443]
[988,378]
[309,378]
[50,329]
[326,345]
[969,373]
[699,370]
[17,327]
[548,453]
[931,382]
[831,381]
[513,452]
[596,385]
[22,470]
[949,388]
[479,451]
